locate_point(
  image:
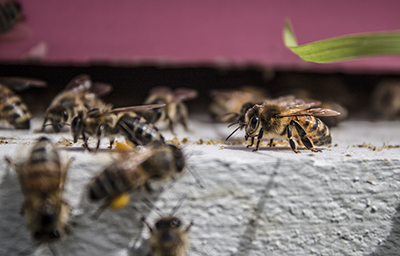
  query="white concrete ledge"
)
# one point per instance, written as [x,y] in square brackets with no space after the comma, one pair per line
[343,201]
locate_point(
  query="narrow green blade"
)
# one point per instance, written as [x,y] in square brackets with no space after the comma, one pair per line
[344,47]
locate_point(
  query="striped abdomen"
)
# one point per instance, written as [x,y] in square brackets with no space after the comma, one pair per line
[43,169]
[315,129]
[10,13]
[137,130]
[13,109]
[113,181]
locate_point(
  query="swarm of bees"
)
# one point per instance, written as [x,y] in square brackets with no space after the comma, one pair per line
[79,107]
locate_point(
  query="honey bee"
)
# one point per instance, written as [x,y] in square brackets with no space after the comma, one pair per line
[386,99]
[10,15]
[167,236]
[105,122]
[134,172]
[42,180]
[81,94]
[12,108]
[227,105]
[279,120]
[175,111]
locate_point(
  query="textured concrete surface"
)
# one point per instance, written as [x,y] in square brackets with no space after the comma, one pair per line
[343,201]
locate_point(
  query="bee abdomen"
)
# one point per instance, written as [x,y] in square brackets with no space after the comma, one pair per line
[44,152]
[316,130]
[139,131]
[16,112]
[111,182]
[44,167]
[9,14]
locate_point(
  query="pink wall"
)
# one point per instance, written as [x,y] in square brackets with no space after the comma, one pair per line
[210,32]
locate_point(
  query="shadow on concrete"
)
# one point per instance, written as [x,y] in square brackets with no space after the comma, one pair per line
[249,234]
[391,245]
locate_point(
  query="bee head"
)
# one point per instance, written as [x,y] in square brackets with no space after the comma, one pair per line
[252,122]
[167,223]
[58,117]
[77,126]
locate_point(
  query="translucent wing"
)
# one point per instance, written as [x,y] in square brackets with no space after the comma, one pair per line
[101,89]
[19,83]
[311,112]
[161,90]
[80,83]
[185,94]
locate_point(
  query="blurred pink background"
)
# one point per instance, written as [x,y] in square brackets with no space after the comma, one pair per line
[183,32]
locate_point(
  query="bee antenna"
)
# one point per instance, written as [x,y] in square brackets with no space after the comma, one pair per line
[240,126]
[178,205]
[151,206]
[196,176]
[233,124]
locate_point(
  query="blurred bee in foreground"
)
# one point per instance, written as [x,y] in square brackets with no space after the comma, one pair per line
[386,99]
[227,105]
[175,111]
[105,122]
[12,108]
[279,120]
[42,180]
[81,94]
[132,172]
[168,238]
[10,15]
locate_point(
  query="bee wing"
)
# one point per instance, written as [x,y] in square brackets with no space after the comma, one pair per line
[101,89]
[133,159]
[80,83]
[140,108]
[227,94]
[311,112]
[19,83]
[290,102]
[160,90]
[185,94]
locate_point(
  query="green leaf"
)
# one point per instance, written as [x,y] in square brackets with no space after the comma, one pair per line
[344,47]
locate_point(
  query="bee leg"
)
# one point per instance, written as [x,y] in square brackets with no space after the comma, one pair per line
[147,224]
[148,188]
[252,142]
[271,142]
[101,209]
[188,227]
[44,124]
[85,142]
[303,136]
[111,143]
[291,141]
[171,125]
[259,137]
[99,133]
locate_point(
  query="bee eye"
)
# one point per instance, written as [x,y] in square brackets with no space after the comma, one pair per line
[64,115]
[275,116]
[160,224]
[254,123]
[56,233]
[175,223]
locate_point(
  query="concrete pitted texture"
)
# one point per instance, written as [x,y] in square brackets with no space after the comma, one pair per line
[342,201]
